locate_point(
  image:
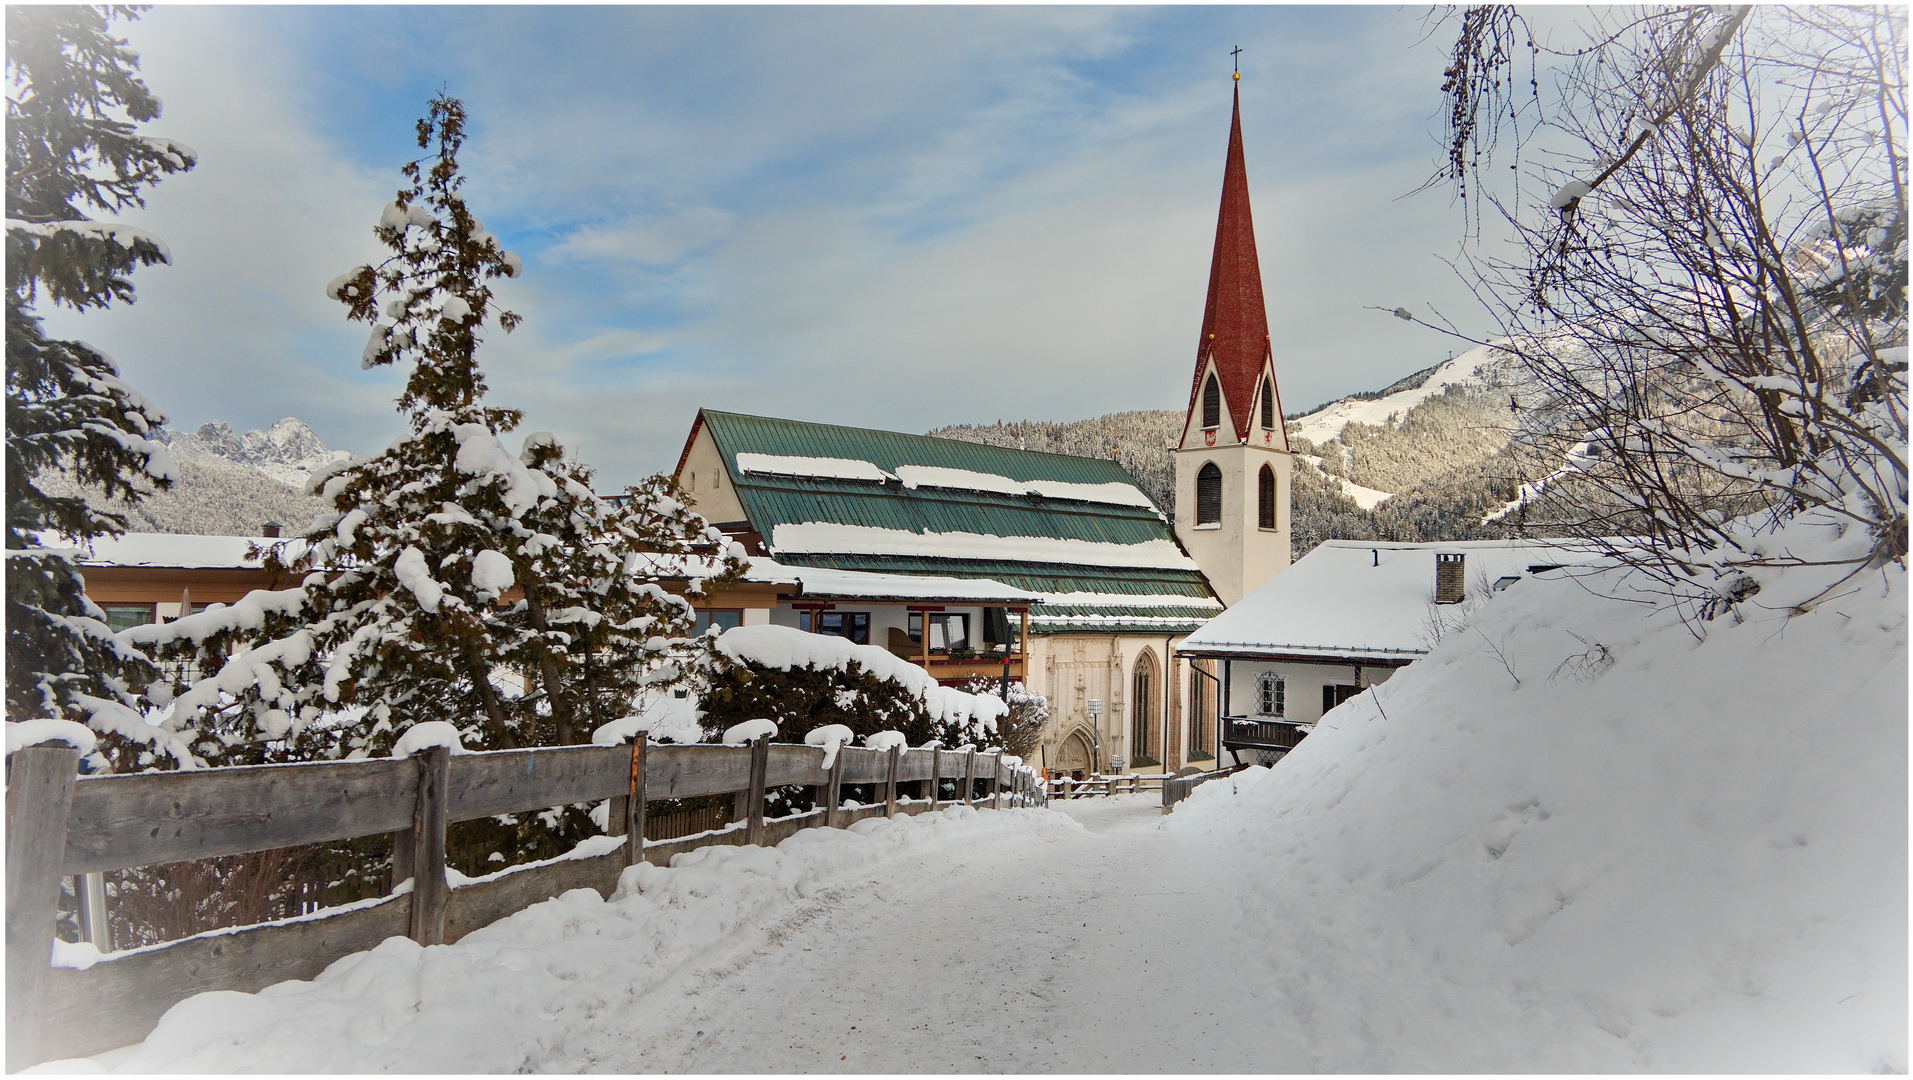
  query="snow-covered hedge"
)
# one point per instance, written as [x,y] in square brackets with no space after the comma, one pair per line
[803,680]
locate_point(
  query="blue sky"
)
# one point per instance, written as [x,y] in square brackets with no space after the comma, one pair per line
[901,217]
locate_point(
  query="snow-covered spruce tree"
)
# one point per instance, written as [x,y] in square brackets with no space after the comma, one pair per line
[1020,728]
[452,579]
[1713,299]
[74,101]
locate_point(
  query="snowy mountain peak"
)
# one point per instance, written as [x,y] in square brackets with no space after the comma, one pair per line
[288,451]
[1482,366]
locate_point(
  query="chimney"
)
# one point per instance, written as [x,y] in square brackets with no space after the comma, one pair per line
[270,530]
[1450,584]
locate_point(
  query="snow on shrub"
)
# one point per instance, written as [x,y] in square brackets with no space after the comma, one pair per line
[801,679]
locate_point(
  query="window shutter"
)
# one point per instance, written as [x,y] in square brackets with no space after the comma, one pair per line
[1209,495]
[1211,403]
[1268,404]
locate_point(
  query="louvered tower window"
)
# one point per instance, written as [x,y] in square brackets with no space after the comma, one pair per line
[1209,495]
[1265,498]
[1211,403]
[1268,403]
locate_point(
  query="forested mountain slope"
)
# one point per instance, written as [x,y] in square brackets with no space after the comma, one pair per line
[1436,443]
[230,484]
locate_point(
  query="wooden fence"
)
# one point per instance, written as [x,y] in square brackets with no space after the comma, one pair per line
[1177,788]
[60,825]
[1063,787]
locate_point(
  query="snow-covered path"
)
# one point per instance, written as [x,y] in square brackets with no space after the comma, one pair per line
[1097,951]
[1080,938]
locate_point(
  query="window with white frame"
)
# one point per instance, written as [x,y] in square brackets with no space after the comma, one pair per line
[1271,694]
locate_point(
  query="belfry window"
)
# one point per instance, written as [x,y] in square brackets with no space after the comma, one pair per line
[1211,403]
[1265,499]
[1268,403]
[1209,495]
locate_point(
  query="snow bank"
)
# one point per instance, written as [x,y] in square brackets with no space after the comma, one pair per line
[1582,840]
[513,996]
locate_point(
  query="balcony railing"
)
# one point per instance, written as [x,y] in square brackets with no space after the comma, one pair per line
[1241,734]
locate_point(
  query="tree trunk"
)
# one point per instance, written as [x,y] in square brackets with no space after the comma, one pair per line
[548,671]
[494,709]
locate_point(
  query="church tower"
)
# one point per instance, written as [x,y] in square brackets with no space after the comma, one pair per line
[1233,462]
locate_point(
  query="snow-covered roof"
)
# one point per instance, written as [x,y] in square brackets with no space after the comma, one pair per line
[865,585]
[911,506]
[834,538]
[1365,598]
[186,551]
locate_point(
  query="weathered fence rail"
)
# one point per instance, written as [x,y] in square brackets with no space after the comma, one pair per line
[60,825]
[1063,787]
[1177,788]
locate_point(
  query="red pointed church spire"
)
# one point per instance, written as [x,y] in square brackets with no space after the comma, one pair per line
[1235,325]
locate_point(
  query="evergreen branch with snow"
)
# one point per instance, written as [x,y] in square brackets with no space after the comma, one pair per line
[74,103]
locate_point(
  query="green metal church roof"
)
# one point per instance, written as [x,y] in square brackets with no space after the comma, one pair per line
[773,500]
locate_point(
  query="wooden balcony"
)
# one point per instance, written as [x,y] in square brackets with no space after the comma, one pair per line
[987,667]
[1240,734]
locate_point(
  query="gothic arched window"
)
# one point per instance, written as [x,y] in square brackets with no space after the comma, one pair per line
[1142,699]
[1265,498]
[1211,403]
[1209,495]
[1268,403]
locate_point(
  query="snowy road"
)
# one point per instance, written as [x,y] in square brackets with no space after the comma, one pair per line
[1081,938]
[1119,967]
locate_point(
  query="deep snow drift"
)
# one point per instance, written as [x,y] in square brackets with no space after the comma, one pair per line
[1575,837]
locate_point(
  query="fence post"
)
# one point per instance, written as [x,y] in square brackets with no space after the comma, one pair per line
[890,783]
[834,793]
[39,797]
[996,782]
[634,804]
[936,776]
[760,768]
[969,776]
[429,888]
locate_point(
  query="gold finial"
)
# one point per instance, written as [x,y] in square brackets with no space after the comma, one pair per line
[1236,54]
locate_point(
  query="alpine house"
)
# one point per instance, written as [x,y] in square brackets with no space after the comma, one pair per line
[971,560]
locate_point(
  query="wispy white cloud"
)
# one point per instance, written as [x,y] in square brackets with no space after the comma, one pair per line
[901,217]
[646,241]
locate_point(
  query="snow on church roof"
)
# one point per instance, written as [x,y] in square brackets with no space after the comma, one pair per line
[1048,525]
[830,537]
[862,585]
[1365,599]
